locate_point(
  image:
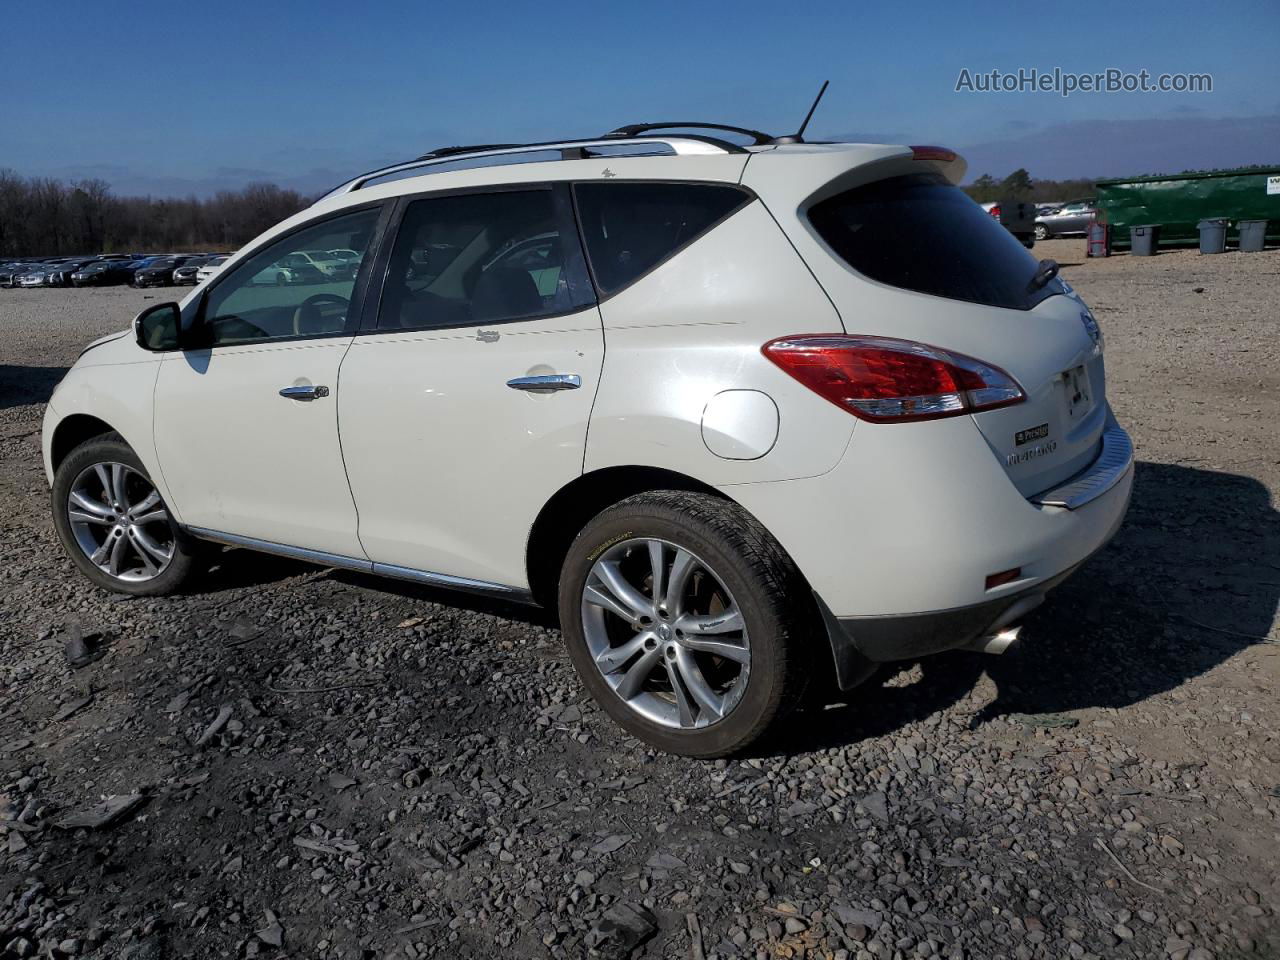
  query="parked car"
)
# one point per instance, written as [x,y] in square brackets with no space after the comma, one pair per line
[210,267]
[773,423]
[59,274]
[131,267]
[1071,219]
[159,272]
[102,273]
[187,273]
[1017,217]
[327,264]
[349,261]
[289,270]
[33,275]
[9,272]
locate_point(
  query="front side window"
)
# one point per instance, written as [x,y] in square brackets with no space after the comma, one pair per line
[920,233]
[279,293]
[630,228]
[480,258]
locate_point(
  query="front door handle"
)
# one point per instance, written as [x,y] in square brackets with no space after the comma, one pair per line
[304,393]
[553,381]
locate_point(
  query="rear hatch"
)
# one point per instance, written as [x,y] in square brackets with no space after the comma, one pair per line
[909,256]
[1056,432]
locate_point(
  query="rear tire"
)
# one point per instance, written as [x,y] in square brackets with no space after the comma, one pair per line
[102,494]
[704,669]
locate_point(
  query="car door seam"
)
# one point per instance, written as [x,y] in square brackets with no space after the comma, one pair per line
[155,439]
[342,454]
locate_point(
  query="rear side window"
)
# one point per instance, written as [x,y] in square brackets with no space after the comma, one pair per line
[630,228]
[921,233]
[482,258]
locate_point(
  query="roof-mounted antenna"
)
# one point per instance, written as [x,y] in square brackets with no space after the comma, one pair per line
[798,136]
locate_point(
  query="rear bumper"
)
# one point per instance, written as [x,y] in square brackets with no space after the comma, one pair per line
[884,639]
[898,540]
[1109,468]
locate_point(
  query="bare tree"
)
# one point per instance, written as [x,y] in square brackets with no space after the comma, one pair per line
[44,217]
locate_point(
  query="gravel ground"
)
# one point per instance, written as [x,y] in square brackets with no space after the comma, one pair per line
[311,763]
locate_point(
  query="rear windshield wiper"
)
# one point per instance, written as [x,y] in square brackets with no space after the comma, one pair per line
[1046,271]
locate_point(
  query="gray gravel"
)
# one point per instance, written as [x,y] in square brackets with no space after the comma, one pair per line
[295,762]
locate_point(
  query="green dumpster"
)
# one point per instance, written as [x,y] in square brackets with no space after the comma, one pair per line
[1179,202]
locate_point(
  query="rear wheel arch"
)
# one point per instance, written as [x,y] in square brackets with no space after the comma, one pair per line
[576,503]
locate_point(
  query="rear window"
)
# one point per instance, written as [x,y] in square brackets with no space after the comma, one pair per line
[921,233]
[630,228]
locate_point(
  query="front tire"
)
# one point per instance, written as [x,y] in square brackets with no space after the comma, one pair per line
[687,622]
[113,523]
[1042,232]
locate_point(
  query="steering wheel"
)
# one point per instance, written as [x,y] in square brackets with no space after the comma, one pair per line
[309,320]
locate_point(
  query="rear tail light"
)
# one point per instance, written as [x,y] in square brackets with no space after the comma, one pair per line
[995,211]
[885,380]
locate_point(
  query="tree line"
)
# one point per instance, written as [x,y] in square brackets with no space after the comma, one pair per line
[44,217]
[1019,186]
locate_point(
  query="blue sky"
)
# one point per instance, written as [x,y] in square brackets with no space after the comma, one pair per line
[171,98]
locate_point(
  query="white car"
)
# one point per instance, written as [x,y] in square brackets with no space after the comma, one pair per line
[208,269]
[297,266]
[345,256]
[739,423]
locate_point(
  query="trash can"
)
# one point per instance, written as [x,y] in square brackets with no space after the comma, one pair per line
[1099,239]
[1253,235]
[1144,240]
[1213,235]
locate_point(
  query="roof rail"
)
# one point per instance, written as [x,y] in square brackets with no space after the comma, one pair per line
[635,129]
[477,148]
[682,145]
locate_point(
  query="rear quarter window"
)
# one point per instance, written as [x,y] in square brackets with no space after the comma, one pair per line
[923,234]
[630,228]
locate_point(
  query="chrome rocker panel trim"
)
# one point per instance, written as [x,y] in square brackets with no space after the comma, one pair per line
[425,577]
[1113,462]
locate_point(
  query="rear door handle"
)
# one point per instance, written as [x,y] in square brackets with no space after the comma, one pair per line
[304,393]
[553,381]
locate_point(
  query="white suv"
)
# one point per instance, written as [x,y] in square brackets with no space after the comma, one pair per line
[748,415]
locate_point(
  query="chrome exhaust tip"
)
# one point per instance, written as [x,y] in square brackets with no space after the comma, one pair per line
[998,642]
[1003,634]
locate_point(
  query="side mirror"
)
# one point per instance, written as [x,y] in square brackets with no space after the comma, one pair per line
[159,328]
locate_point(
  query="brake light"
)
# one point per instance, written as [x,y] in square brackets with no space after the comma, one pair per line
[885,380]
[940,154]
[995,211]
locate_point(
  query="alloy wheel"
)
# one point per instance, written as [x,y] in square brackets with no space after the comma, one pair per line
[665,633]
[120,523]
